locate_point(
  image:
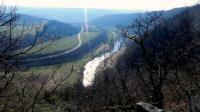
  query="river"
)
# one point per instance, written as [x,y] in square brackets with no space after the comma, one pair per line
[91,66]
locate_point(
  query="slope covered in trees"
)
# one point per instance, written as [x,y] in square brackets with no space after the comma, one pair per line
[60,29]
[160,65]
[111,20]
[50,30]
[28,19]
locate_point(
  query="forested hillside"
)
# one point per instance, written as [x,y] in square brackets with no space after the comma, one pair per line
[60,29]
[68,15]
[50,30]
[112,20]
[159,65]
[28,19]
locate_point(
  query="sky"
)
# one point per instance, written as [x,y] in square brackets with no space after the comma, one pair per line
[103,4]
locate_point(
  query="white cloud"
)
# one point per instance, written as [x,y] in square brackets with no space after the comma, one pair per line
[105,4]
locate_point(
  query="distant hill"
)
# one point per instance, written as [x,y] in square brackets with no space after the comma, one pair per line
[113,19]
[125,19]
[68,15]
[53,27]
[49,29]
[57,29]
[28,19]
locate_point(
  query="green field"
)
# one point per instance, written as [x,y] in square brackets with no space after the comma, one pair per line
[64,69]
[56,46]
[63,44]
[87,36]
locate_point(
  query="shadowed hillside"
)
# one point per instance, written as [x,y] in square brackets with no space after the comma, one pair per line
[159,65]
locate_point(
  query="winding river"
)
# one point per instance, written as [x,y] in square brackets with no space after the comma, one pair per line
[91,66]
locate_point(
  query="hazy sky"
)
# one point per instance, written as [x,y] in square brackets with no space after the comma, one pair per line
[105,4]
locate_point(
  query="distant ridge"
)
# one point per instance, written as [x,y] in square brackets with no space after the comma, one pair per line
[69,15]
[125,19]
[28,19]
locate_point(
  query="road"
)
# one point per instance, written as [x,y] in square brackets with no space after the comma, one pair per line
[59,54]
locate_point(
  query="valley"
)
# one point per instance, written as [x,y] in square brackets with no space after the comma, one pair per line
[73,51]
[99,56]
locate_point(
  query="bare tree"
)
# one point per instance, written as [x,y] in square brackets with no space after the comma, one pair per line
[20,91]
[168,51]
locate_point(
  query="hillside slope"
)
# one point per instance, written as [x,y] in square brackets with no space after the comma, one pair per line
[57,29]
[125,19]
[68,15]
[47,29]
[160,64]
[28,19]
